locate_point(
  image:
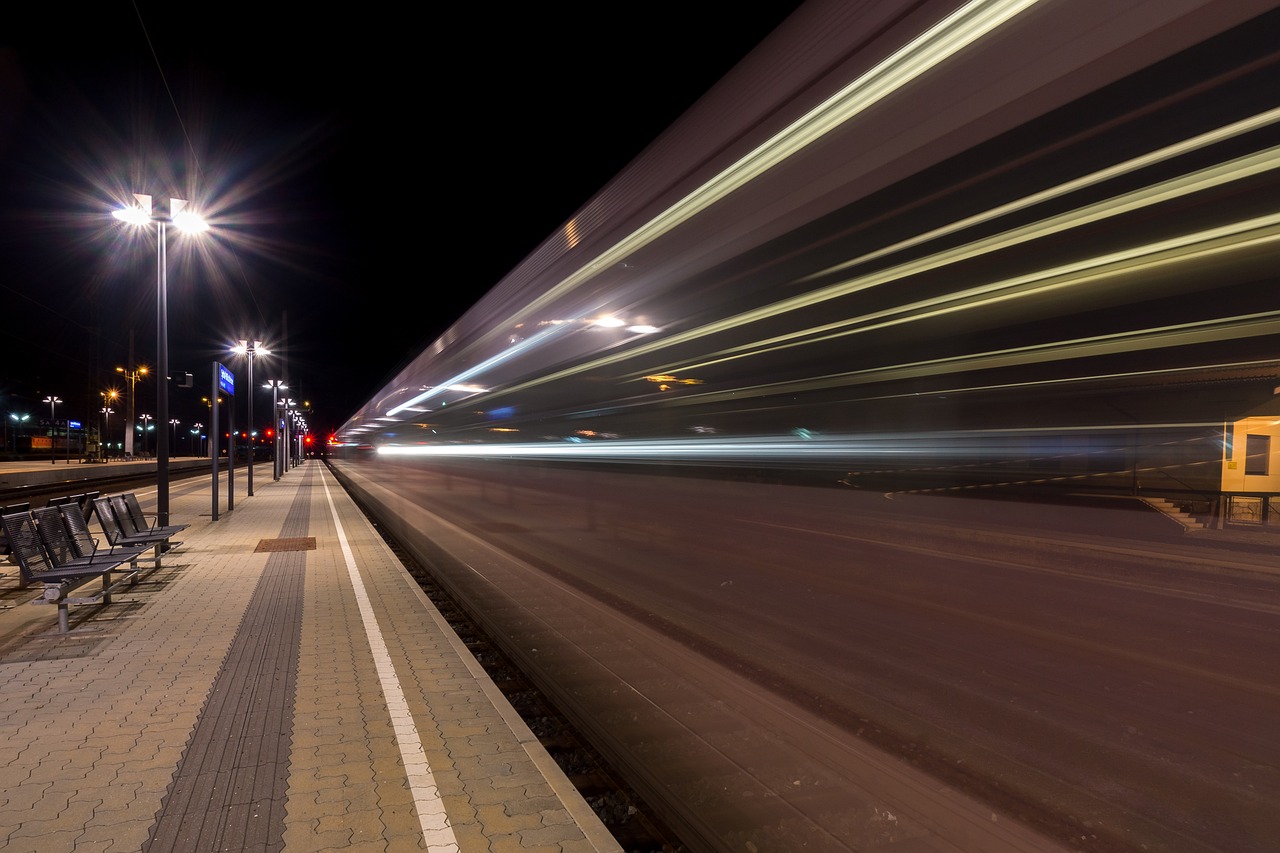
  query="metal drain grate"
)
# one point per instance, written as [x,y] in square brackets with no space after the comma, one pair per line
[297,543]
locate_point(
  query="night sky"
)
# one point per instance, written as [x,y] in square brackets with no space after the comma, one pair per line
[368,177]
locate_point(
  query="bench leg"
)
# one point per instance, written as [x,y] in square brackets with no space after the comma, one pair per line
[106,588]
[64,618]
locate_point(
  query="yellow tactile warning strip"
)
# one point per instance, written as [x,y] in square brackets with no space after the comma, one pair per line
[295,543]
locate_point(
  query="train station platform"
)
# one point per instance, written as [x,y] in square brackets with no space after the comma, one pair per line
[278,683]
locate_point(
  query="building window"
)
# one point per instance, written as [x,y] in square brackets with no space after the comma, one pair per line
[1257,454]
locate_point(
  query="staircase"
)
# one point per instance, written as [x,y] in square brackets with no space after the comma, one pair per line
[1174,512]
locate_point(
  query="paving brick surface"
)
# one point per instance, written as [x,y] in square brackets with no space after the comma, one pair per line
[97,726]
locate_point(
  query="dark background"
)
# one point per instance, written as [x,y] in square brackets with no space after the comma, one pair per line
[369,175]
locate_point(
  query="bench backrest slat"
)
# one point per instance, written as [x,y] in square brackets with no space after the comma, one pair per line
[20,527]
[123,518]
[54,535]
[135,512]
[86,504]
[107,518]
[81,538]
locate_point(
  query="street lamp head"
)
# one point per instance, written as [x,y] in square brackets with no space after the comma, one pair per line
[251,348]
[176,212]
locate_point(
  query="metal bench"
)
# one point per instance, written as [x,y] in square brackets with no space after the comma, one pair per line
[83,541]
[118,534]
[139,518]
[4,538]
[60,571]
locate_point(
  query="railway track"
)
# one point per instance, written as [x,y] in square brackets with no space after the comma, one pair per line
[39,494]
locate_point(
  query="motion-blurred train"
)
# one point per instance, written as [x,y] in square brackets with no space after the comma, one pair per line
[1003,248]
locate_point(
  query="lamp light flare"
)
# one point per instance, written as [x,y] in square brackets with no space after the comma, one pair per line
[143,214]
[132,215]
[190,222]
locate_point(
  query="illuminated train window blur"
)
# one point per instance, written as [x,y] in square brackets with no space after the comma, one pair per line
[887,428]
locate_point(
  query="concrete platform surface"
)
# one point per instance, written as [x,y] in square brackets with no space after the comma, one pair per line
[278,683]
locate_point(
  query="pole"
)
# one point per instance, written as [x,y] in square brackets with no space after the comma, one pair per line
[131,374]
[251,353]
[213,431]
[53,433]
[231,452]
[162,380]
[275,430]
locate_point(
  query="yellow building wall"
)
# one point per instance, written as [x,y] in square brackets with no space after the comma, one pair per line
[1234,478]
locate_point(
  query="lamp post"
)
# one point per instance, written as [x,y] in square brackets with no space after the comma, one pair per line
[109,397]
[173,434]
[185,220]
[287,443]
[53,428]
[103,445]
[19,420]
[132,376]
[195,432]
[250,350]
[276,386]
[143,427]
[302,439]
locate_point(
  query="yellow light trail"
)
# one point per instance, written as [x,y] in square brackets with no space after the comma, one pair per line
[1152,158]
[1204,331]
[1181,186]
[952,34]
[1234,237]
[1199,246]
[1161,373]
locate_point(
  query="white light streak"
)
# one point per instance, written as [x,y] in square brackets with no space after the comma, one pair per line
[505,355]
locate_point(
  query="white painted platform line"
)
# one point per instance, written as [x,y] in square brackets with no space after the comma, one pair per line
[436,830]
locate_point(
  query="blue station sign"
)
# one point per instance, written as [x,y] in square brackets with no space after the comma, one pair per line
[226,380]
